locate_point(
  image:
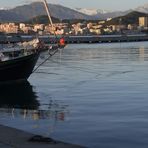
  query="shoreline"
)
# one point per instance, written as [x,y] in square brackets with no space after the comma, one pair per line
[76,39]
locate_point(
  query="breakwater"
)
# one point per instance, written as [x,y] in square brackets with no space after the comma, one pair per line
[77,39]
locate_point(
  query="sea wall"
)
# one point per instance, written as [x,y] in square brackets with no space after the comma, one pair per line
[77,39]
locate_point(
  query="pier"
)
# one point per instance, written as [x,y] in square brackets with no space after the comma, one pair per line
[76,39]
[106,39]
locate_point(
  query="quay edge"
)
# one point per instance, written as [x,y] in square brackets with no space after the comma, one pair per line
[10,137]
[76,39]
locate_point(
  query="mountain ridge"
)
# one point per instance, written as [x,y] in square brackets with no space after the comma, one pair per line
[104,14]
[130,18]
[26,12]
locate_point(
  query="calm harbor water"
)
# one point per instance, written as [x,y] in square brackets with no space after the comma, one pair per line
[95,95]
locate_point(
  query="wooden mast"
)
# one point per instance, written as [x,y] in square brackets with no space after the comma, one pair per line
[49,16]
[48,13]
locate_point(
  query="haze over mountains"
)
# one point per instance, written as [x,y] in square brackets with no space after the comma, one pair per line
[26,12]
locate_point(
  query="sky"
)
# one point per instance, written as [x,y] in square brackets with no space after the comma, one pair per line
[98,4]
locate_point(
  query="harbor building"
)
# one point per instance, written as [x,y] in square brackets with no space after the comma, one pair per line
[143,22]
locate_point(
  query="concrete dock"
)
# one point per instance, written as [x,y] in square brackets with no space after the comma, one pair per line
[14,138]
[76,39]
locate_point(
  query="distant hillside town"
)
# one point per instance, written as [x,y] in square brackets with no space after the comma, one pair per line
[31,19]
[132,23]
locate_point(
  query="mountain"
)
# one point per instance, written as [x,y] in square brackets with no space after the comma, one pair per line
[9,16]
[143,8]
[26,12]
[130,18]
[42,19]
[92,12]
[102,14]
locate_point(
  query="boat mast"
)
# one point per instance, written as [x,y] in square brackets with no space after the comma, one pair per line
[48,13]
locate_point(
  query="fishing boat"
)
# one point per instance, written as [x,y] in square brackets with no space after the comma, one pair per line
[17,68]
[17,62]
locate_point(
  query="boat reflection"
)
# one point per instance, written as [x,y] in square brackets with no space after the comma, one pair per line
[18,95]
[19,100]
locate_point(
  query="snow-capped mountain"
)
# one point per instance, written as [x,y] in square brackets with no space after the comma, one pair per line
[4,8]
[28,11]
[101,14]
[95,12]
[104,14]
[22,13]
[92,11]
[143,8]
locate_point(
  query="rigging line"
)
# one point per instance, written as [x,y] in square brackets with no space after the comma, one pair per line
[73,67]
[42,72]
[50,55]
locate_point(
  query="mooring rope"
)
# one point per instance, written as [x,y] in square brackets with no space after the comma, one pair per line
[50,55]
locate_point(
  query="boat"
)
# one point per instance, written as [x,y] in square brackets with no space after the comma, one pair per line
[17,68]
[17,62]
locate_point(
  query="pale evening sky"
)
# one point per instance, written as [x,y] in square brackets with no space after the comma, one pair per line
[99,4]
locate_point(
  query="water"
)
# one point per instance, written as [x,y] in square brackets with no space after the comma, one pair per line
[95,95]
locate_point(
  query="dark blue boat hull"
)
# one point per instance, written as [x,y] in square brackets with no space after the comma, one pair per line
[18,68]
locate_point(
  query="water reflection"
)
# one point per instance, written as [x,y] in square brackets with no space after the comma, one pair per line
[19,98]
[18,95]
[22,108]
[141,53]
[131,53]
